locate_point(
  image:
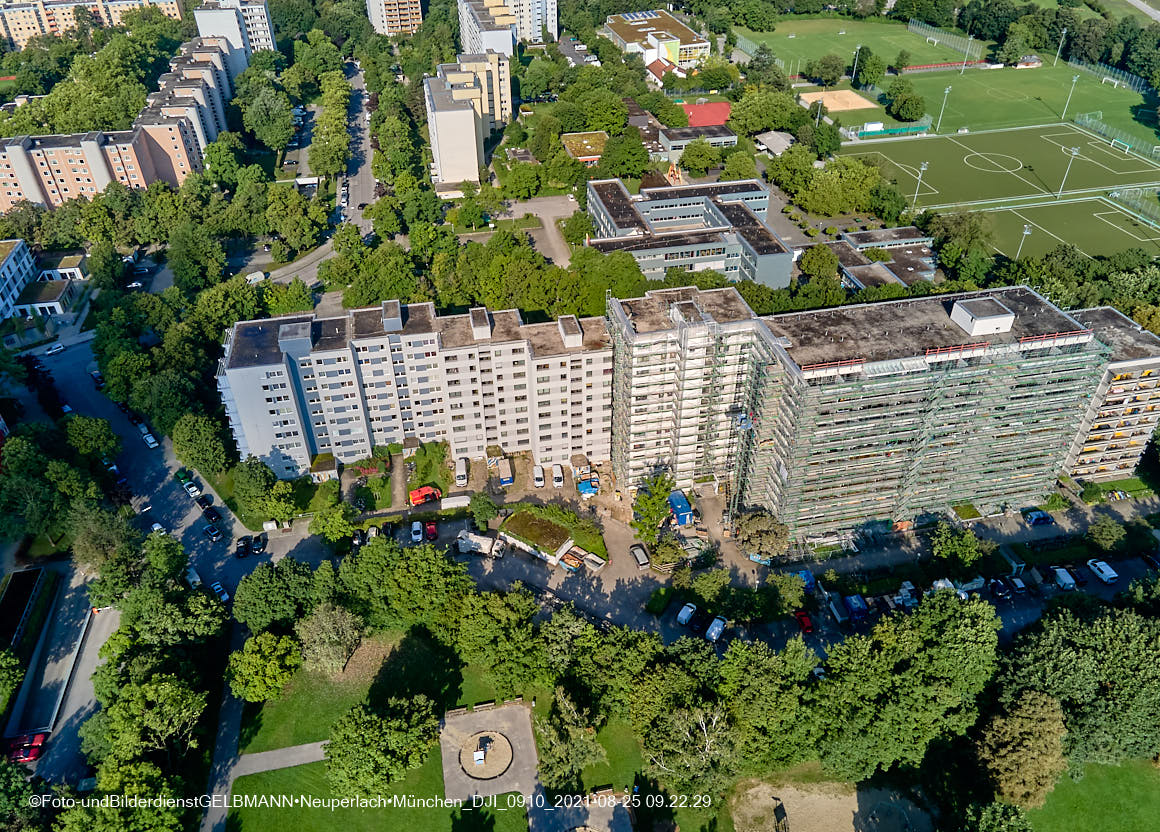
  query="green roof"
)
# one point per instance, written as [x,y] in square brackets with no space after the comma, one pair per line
[6,248]
[43,291]
[61,260]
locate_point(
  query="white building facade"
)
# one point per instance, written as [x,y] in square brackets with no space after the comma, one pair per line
[17,270]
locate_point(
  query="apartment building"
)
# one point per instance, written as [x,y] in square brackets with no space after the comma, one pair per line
[484,80]
[1124,411]
[166,142]
[656,35]
[298,386]
[456,133]
[22,21]
[692,227]
[487,26]
[395,17]
[17,270]
[245,24]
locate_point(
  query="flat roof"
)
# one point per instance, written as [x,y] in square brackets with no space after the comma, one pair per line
[584,145]
[847,255]
[635,27]
[646,242]
[60,259]
[1128,340]
[907,328]
[873,274]
[614,196]
[651,312]
[722,189]
[43,291]
[760,238]
[255,343]
[709,131]
[911,265]
[886,235]
[7,247]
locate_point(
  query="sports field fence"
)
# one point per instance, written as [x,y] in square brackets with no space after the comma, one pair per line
[1117,77]
[1143,202]
[962,44]
[749,47]
[1128,142]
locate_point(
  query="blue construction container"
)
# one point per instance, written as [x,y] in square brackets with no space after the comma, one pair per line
[679,506]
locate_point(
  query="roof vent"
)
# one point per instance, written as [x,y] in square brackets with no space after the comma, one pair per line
[480,323]
[982,316]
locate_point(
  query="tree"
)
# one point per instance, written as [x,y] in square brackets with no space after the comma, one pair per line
[960,549]
[871,69]
[995,817]
[1015,45]
[197,260]
[92,437]
[106,268]
[11,675]
[758,531]
[369,751]
[497,631]
[264,665]
[329,637]
[99,535]
[739,165]
[624,156]
[909,107]
[268,116]
[818,261]
[523,181]
[153,715]
[253,481]
[901,61]
[18,811]
[828,69]
[483,509]
[699,156]
[887,203]
[197,442]
[1105,533]
[577,228]
[471,214]
[273,594]
[334,523]
[693,750]
[567,743]
[1021,749]
[650,507]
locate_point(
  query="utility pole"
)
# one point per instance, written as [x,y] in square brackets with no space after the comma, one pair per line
[921,170]
[854,74]
[966,54]
[946,92]
[1059,49]
[1073,151]
[1063,115]
[1023,239]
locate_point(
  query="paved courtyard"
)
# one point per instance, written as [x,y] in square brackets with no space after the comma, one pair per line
[509,762]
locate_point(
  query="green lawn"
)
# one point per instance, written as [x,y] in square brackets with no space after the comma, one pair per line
[802,40]
[425,781]
[1108,799]
[1094,226]
[624,758]
[430,467]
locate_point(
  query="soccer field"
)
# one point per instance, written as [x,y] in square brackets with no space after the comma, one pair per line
[1094,226]
[1003,166]
[797,42]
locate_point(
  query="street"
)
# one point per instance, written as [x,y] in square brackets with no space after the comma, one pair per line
[358,172]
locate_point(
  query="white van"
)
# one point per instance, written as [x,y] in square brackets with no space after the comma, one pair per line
[1102,571]
[461,472]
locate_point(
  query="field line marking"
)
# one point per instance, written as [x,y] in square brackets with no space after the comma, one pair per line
[1103,215]
[1047,231]
[1038,190]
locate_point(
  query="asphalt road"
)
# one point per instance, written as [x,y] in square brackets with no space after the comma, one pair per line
[358,176]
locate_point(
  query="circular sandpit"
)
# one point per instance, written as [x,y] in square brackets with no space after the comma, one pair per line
[497,755]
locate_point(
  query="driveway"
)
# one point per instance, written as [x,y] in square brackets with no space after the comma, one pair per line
[549,241]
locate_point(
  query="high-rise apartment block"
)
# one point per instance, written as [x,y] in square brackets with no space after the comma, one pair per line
[499,24]
[465,102]
[22,21]
[17,270]
[165,143]
[298,386]
[1125,409]
[245,24]
[395,17]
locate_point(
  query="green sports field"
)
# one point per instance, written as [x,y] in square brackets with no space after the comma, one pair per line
[1094,226]
[797,42]
[1000,167]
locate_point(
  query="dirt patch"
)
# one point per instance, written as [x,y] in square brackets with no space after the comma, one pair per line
[837,101]
[536,530]
[758,806]
[366,661]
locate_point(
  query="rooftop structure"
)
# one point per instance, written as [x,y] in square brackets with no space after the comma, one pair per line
[887,237]
[648,126]
[245,24]
[485,81]
[774,142]
[62,265]
[456,132]
[656,34]
[487,25]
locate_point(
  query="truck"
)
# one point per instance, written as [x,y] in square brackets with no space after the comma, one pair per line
[857,607]
[504,469]
[469,542]
[681,510]
[426,494]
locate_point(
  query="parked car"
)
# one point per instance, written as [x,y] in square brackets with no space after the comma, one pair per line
[1062,578]
[212,532]
[182,475]
[640,555]
[136,284]
[220,591]
[1077,576]
[191,488]
[204,501]
[258,544]
[1151,561]
[211,514]
[158,528]
[1102,571]
[55,349]
[557,476]
[803,621]
[26,748]
[98,379]
[716,628]
[538,476]
[999,590]
[1018,586]
[430,530]
[686,613]
[149,441]
[416,532]
[1037,517]
[359,538]
[242,546]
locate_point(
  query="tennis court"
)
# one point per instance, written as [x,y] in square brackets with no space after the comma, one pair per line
[1001,166]
[1094,226]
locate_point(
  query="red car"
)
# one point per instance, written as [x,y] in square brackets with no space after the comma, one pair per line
[430,531]
[26,749]
[803,620]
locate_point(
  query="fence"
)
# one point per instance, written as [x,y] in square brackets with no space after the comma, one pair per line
[1093,122]
[960,43]
[747,46]
[942,67]
[860,132]
[1118,77]
[1143,202]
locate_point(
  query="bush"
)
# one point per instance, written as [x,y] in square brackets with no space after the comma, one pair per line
[810,231]
[832,231]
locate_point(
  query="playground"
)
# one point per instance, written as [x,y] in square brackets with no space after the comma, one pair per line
[996,168]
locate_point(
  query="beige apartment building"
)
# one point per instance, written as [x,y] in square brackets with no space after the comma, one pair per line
[485,81]
[299,386]
[394,17]
[21,21]
[465,102]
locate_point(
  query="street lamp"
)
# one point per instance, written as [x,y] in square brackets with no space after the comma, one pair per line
[946,92]
[1073,151]
[921,169]
[1063,115]
[854,74]
[966,54]
[1023,239]
[1059,48]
